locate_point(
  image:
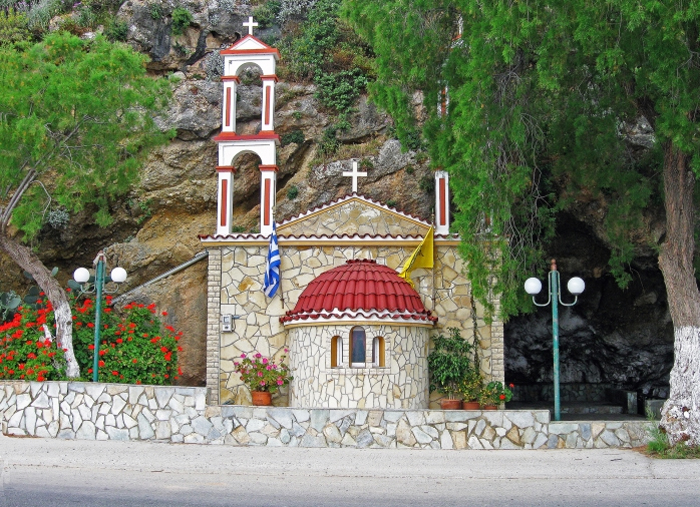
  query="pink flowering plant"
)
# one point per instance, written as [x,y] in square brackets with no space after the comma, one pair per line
[260,373]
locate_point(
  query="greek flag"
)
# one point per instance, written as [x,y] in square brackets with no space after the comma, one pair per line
[272,270]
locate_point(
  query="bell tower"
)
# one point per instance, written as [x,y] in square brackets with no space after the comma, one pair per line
[248,50]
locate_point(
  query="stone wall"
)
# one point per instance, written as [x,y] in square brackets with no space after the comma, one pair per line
[402,383]
[87,411]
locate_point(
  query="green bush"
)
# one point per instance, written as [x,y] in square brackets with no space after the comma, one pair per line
[42,12]
[449,362]
[329,143]
[14,27]
[427,184]
[156,12]
[266,14]
[295,136]
[293,192]
[339,90]
[181,20]
[327,51]
[117,31]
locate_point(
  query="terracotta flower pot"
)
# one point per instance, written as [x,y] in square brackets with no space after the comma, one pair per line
[261,398]
[470,405]
[448,404]
[490,407]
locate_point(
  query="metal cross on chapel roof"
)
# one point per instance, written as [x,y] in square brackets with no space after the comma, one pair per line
[250,24]
[355,174]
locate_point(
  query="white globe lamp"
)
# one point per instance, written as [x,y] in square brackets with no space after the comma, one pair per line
[81,275]
[118,275]
[533,286]
[576,286]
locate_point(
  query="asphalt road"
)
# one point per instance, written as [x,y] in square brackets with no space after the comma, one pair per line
[48,473]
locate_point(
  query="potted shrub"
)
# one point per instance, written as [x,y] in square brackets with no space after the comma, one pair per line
[262,376]
[448,364]
[493,394]
[470,389]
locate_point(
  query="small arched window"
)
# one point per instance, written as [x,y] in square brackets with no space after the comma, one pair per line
[358,354]
[336,351]
[378,352]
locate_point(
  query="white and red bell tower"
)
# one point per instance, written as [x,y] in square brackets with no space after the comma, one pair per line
[248,51]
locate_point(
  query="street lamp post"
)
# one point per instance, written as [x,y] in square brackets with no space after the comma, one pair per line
[97,285]
[575,286]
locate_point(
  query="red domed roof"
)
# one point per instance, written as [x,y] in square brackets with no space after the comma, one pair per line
[360,289]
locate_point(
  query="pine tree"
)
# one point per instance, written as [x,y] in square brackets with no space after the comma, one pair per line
[76,119]
[541,92]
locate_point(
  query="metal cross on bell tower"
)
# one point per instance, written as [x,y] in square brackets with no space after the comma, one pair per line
[250,24]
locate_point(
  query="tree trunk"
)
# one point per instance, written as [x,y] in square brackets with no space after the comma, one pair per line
[26,259]
[681,413]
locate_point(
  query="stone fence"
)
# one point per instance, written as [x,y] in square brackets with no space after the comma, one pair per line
[93,411]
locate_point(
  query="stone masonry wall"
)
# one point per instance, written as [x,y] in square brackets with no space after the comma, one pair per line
[92,411]
[444,290]
[402,383]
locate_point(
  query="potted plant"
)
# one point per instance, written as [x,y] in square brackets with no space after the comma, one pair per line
[448,364]
[493,394]
[262,376]
[470,389]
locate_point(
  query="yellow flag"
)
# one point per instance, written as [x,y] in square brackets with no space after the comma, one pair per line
[422,257]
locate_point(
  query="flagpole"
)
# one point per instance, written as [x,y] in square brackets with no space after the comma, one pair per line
[281,290]
[433,270]
[274,219]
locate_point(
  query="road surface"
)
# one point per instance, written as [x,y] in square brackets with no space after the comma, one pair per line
[57,473]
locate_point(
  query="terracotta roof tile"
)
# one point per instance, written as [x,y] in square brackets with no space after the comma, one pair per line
[359,288]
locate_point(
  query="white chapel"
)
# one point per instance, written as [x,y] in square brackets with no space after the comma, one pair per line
[357,334]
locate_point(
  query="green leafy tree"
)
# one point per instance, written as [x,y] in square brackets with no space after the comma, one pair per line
[538,95]
[76,120]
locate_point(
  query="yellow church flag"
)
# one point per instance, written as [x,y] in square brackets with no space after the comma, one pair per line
[422,257]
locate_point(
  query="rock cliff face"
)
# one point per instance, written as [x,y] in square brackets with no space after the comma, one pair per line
[611,336]
[623,337]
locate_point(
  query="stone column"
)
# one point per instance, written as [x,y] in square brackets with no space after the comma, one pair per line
[213,325]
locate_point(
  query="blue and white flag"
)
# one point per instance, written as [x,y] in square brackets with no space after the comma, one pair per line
[272,270]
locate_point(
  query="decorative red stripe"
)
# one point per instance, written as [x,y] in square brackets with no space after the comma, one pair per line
[268,89]
[442,202]
[262,136]
[224,201]
[267,202]
[228,106]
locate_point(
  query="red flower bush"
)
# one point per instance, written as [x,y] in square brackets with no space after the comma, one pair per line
[25,352]
[148,355]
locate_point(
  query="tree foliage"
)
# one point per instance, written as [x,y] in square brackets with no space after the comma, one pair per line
[540,96]
[76,121]
[532,106]
[75,111]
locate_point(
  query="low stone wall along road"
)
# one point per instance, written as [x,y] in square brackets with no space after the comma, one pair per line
[93,411]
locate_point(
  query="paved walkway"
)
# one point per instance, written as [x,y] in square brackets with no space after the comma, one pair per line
[50,472]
